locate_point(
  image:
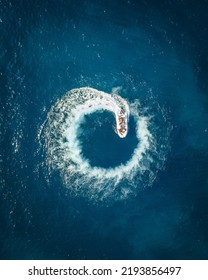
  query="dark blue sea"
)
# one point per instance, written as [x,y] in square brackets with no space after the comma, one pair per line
[156,51]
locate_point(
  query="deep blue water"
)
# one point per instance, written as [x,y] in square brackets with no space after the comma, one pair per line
[153,49]
[96,143]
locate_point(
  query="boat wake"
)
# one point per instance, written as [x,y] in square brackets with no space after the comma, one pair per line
[64,150]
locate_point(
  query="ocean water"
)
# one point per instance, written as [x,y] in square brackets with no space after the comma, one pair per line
[154,55]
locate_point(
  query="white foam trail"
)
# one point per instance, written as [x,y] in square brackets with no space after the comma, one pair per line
[64,150]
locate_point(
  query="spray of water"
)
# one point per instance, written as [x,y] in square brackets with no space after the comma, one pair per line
[64,152]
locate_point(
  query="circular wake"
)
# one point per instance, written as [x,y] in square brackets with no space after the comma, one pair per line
[64,152]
